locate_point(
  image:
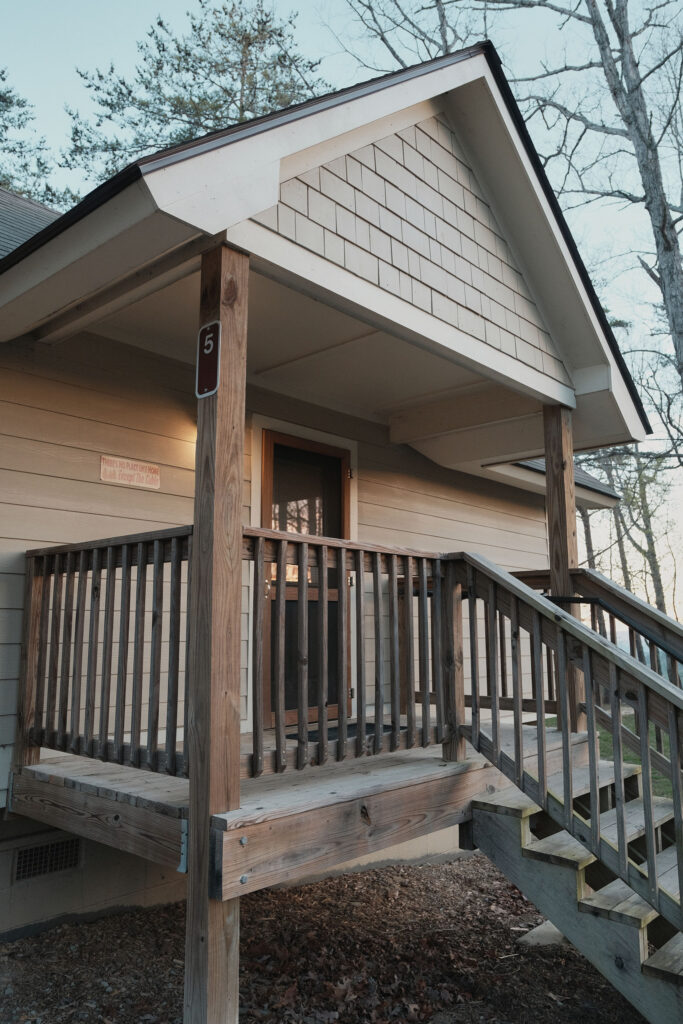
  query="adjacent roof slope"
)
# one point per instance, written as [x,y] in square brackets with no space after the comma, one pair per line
[20,219]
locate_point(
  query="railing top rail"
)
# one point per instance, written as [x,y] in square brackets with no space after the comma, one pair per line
[650,621]
[572,626]
[94,545]
[335,542]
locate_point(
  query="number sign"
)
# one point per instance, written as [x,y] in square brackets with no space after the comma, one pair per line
[208,359]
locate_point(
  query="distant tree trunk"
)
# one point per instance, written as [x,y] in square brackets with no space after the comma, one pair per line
[647,528]
[590,558]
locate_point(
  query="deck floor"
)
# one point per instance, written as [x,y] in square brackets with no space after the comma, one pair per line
[288,825]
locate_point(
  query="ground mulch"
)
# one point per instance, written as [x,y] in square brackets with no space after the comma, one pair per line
[434,943]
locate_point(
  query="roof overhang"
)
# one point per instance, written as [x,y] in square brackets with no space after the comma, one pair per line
[148,224]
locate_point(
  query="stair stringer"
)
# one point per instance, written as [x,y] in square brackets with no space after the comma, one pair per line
[615,949]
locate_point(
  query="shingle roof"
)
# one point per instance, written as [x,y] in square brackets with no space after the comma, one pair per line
[581,477]
[20,219]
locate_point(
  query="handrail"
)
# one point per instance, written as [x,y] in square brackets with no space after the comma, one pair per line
[620,694]
[643,621]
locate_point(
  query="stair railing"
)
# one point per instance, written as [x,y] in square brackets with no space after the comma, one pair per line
[622,696]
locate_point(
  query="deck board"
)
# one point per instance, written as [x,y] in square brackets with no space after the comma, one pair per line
[296,823]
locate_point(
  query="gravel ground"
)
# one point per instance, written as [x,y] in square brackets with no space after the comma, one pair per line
[434,943]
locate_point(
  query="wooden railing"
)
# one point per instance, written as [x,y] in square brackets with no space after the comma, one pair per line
[652,637]
[639,712]
[352,651]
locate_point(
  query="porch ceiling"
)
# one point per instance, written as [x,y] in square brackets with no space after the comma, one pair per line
[302,348]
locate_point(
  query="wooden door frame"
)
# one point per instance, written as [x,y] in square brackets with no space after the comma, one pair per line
[269,438]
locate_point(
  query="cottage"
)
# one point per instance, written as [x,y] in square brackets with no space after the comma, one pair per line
[273,405]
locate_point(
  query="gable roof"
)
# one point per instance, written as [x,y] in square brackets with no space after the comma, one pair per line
[20,219]
[161,192]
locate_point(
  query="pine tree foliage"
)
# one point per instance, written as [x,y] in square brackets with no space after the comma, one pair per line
[26,163]
[234,62]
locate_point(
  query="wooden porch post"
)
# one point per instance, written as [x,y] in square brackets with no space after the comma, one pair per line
[561,522]
[212,930]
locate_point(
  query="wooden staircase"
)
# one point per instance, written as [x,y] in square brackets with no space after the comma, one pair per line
[614,927]
[593,846]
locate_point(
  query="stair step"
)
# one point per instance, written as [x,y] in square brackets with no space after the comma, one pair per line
[512,801]
[507,801]
[666,864]
[560,848]
[619,902]
[667,962]
[634,810]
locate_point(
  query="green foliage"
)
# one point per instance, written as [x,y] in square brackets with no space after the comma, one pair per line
[25,159]
[235,62]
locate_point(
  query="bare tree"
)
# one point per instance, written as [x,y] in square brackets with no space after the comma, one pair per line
[607,122]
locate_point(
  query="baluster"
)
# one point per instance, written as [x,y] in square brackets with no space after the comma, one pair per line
[550,674]
[474,654]
[138,654]
[677,788]
[77,673]
[360,653]
[342,653]
[612,629]
[27,751]
[646,779]
[409,656]
[379,653]
[53,665]
[565,722]
[279,674]
[537,684]
[93,642]
[395,679]
[174,656]
[492,672]
[67,624]
[42,645]
[654,665]
[517,697]
[186,695]
[615,708]
[302,658]
[323,664]
[437,647]
[107,652]
[502,641]
[155,658]
[122,668]
[423,650]
[592,750]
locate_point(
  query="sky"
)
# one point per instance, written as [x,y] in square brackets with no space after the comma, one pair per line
[42,43]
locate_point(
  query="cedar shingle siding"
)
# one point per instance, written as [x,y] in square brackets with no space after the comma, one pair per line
[407,215]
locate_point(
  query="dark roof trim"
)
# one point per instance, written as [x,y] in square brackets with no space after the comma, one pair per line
[581,477]
[163,158]
[496,66]
[98,197]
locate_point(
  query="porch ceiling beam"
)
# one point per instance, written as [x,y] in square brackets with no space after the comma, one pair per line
[477,406]
[503,441]
[151,277]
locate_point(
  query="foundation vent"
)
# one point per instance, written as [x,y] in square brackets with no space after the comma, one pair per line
[47,858]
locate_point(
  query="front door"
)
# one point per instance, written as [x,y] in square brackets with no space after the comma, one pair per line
[305,489]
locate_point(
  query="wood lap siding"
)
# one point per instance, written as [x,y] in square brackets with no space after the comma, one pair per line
[406,214]
[61,408]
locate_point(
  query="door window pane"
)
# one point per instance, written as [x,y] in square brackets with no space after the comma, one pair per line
[307,492]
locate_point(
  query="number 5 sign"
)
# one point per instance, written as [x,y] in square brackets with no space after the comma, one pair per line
[208,359]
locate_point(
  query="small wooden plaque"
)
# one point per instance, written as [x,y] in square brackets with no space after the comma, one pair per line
[208,359]
[129,472]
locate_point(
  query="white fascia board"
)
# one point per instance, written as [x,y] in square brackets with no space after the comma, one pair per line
[283,260]
[530,480]
[475,128]
[226,183]
[123,211]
